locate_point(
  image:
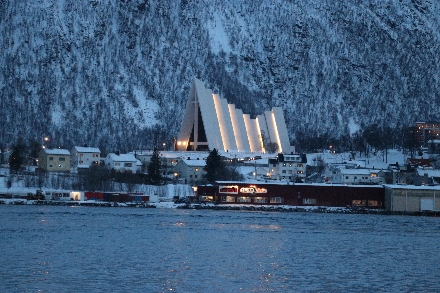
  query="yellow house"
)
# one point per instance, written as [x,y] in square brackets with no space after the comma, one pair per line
[54,160]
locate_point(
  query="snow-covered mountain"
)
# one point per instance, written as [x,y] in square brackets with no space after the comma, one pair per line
[117,73]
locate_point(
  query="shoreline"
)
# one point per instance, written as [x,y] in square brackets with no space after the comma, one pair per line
[203,206]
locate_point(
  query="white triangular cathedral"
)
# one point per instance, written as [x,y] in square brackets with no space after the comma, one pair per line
[210,122]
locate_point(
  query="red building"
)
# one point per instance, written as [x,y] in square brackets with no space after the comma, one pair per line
[295,195]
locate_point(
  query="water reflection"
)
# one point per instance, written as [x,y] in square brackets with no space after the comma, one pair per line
[59,249]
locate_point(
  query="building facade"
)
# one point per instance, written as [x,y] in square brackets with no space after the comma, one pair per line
[190,171]
[84,157]
[123,163]
[223,192]
[288,166]
[54,160]
[210,122]
[426,131]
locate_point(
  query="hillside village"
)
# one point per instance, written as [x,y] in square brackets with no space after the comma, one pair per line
[177,167]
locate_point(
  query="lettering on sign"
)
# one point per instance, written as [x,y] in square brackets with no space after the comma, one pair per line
[228,189]
[253,189]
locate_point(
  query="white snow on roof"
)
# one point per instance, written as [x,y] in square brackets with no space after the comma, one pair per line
[195,163]
[57,152]
[80,149]
[122,157]
[430,172]
[358,171]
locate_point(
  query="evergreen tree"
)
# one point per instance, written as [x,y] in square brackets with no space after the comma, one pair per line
[154,169]
[17,158]
[214,167]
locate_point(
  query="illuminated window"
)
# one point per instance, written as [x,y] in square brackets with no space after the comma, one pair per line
[127,164]
[243,199]
[228,199]
[358,202]
[196,169]
[374,203]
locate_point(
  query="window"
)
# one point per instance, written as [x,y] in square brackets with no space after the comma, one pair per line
[374,203]
[206,198]
[50,158]
[61,166]
[80,162]
[190,176]
[346,177]
[116,164]
[243,199]
[276,200]
[355,177]
[196,169]
[50,166]
[299,172]
[290,171]
[310,201]
[300,165]
[61,159]
[283,171]
[358,202]
[195,176]
[228,199]
[260,199]
[95,155]
[127,164]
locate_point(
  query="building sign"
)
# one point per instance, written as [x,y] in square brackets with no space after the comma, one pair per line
[228,189]
[253,189]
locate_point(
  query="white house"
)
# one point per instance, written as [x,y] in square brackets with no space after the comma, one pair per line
[123,163]
[83,157]
[190,171]
[349,175]
[288,166]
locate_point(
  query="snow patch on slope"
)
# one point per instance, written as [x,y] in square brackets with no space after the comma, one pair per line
[218,37]
[353,126]
[144,114]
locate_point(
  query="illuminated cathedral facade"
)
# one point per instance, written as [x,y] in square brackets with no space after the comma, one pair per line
[210,122]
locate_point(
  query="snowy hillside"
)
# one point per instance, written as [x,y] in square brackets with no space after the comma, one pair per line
[116,73]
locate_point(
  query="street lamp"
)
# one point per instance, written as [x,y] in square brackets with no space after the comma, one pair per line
[164,144]
[45,141]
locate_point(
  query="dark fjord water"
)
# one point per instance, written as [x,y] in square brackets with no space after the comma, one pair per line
[85,249]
